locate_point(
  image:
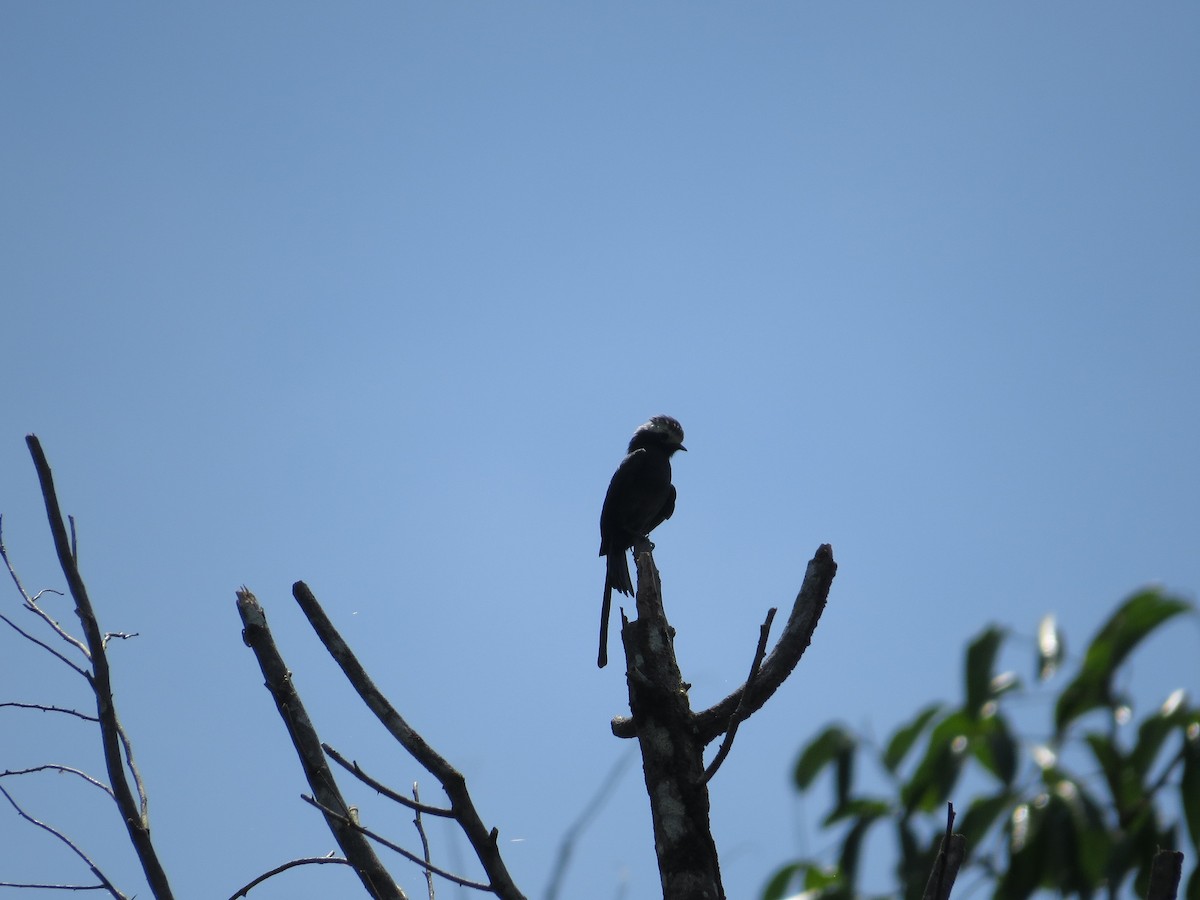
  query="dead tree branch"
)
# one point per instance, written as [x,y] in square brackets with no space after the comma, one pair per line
[105,884]
[793,641]
[354,769]
[419,824]
[290,864]
[740,713]
[133,810]
[483,841]
[350,822]
[64,770]
[257,636]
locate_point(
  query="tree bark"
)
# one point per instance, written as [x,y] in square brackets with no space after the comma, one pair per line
[672,750]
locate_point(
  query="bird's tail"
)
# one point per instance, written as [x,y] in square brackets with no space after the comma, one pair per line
[605,609]
[616,576]
[618,572]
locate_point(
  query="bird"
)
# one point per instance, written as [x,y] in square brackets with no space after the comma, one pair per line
[640,498]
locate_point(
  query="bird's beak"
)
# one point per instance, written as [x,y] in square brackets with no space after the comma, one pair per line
[681,447]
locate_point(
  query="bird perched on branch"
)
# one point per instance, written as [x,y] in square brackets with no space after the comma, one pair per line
[640,498]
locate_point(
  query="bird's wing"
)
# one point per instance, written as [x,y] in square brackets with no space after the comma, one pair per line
[617,516]
[668,508]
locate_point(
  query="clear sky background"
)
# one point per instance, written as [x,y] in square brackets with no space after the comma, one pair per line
[373,296]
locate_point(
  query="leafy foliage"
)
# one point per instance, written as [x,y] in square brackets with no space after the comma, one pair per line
[1078,813]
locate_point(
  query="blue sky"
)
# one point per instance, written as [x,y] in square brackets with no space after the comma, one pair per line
[373,296]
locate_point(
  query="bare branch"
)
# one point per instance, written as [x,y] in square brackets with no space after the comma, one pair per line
[29,637]
[127,746]
[424,840]
[257,636]
[291,864]
[31,605]
[54,887]
[55,767]
[353,769]
[122,635]
[349,822]
[100,876]
[451,780]
[44,707]
[134,816]
[764,632]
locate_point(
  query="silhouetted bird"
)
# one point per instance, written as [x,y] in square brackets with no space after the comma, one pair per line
[640,498]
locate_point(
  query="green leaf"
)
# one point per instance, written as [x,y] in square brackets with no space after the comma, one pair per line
[851,848]
[982,814]
[862,807]
[939,769]
[905,736]
[831,744]
[981,659]
[1189,784]
[1155,729]
[995,748]
[1051,647]
[1027,852]
[1133,621]
[1122,779]
[821,879]
[780,884]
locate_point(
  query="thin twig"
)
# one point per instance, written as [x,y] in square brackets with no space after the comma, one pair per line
[354,769]
[764,632]
[44,707]
[407,854]
[29,637]
[424,839]
[291,864]
[107,885]
[122,635]
[56,767]
[54,887]
[127,745]
[31,604]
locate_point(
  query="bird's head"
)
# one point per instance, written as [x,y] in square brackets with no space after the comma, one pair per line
[660,431]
